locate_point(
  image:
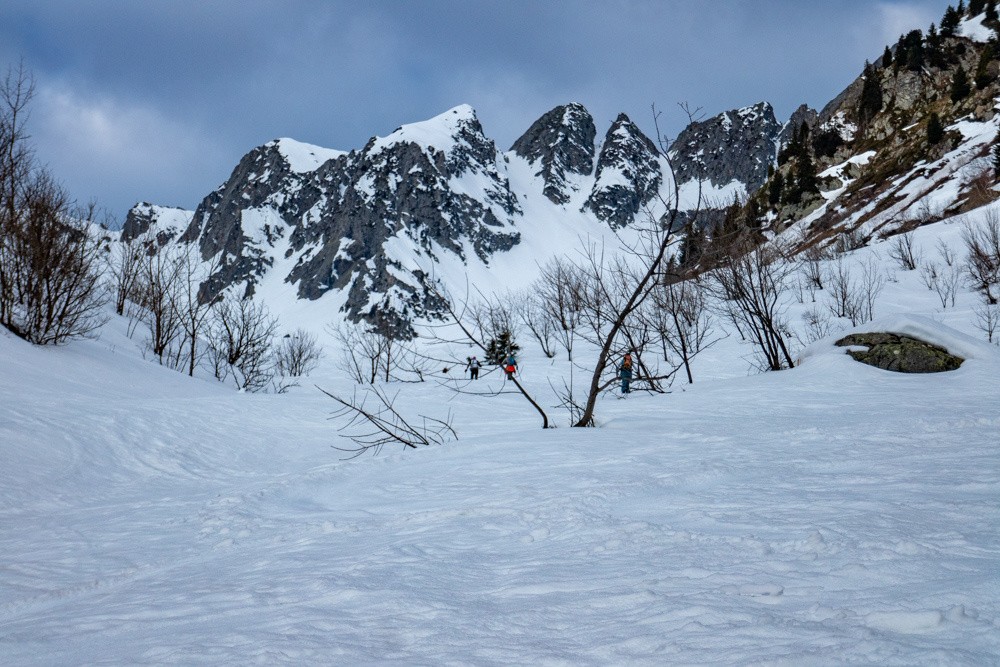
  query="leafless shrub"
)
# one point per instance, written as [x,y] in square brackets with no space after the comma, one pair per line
[854,298]
[533,314]
[817,323]
[982,266]
[684,322]
[946,252]
[849,240]
[297,354]
[560,290]
[902,251]
[930,273]
[50,262]
[813,260]
[750,284]
[240,337]
[988,321]
[946,285]
[158,292]
[123,267]
[372,421]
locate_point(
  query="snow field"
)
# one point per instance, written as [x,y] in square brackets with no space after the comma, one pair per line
[834,513]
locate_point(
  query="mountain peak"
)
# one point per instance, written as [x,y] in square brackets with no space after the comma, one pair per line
[302,157]
[561,142]
[735,146]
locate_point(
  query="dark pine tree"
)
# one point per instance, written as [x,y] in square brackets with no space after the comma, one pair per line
[886,57]
[996,160]
[870,102]
[774,190]
[914,50]
[934,52]
[950,21]
[960,87]
[976,7]
[983,76]
[935,131]
[991,10]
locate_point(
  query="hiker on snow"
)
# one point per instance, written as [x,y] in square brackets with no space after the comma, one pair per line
[473,366]
[625,372]
[510,366]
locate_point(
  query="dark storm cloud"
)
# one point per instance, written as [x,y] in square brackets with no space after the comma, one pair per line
[158,100]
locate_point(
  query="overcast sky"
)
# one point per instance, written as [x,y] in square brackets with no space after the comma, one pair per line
[157,100]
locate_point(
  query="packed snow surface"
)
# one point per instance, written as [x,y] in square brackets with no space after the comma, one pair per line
[834,513]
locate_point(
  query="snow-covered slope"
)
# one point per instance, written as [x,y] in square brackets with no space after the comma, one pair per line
[828,514]
[833,513]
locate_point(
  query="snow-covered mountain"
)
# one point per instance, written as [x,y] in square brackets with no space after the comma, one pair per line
[361,231]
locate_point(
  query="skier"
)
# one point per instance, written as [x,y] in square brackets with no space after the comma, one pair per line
[473,367]
[625,372]
[510,365]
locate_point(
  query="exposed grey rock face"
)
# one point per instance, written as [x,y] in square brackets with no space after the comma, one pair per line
[736,145]
[628,174]
[337,219]
[804,114]
[561,142]
[145,216]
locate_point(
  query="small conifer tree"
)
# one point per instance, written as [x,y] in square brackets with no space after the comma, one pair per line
[950,21]
[887,57]
[976,7]
[935,130]
[983,76]
[774,191]
[870,102]
[499,348]
[960,87]
[996,160]
[991,10]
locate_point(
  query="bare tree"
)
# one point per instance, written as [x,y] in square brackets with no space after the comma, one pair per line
[982,265]
[988,320]
[750,284]
[240,338]
[186,300]
[50,287]
[531,311]
[368,354]
[559,291]
[902,251]
[298,354]
[373,421]
[684,323]
[124,267]
[159,292]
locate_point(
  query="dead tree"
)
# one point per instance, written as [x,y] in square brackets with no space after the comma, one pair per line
[641,278]
[50,257]
[750,283]
[240,338]
[982,265]
[372,422]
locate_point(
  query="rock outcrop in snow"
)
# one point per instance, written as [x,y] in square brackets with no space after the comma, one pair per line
[737,145]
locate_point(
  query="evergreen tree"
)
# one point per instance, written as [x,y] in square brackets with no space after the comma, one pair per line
[887,57]
[961,9]
[774,191]
[870,102]
[960,87]
[983,76]
[991,10]
[996,160]
[499,348]
[976,7]
[805,176]
[914,50]
[935,131]
[934,53]
[950,21]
